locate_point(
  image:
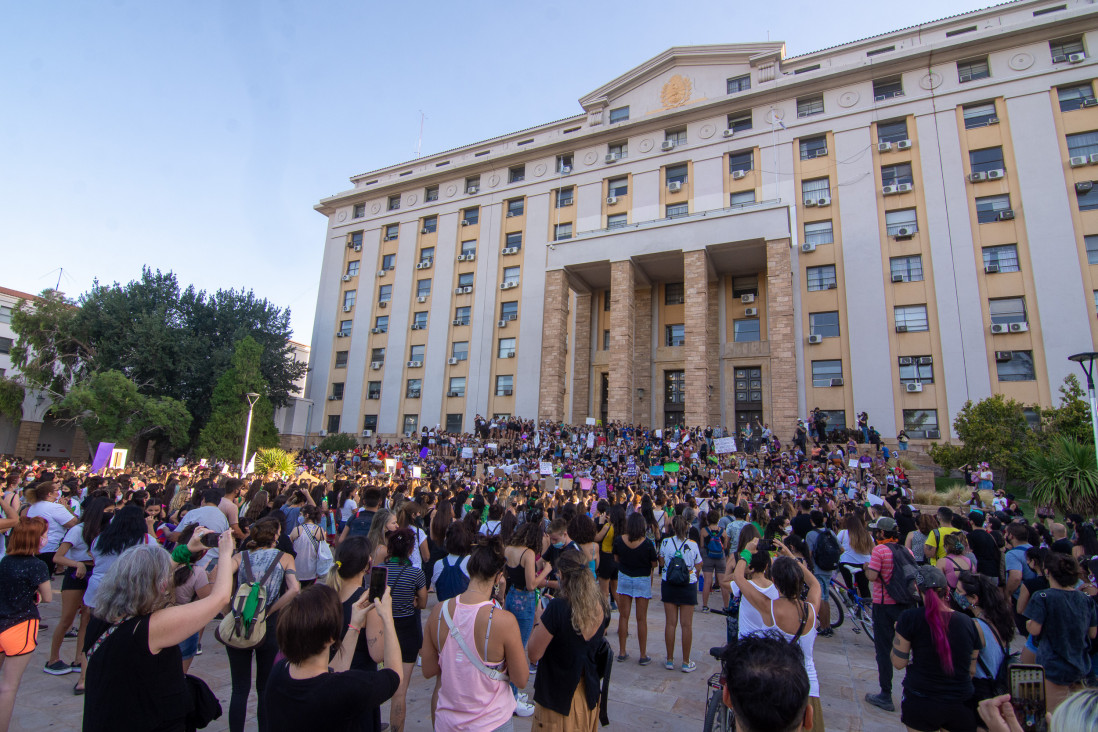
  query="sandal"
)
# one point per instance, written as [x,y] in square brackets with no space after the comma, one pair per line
[76,690]
[623,657]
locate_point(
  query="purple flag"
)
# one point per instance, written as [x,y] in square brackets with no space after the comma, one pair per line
[424,453]
[102,456]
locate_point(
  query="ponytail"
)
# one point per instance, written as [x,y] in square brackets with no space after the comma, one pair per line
[937,617]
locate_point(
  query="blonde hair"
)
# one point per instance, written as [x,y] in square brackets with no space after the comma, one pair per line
[578,586]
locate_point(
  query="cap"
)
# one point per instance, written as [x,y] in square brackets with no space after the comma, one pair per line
[884,523]
[930,578]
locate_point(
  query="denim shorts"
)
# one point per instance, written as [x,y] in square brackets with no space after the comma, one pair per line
[824,578]
[635,586]
[189,647]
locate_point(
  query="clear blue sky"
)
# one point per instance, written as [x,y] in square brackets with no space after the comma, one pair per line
[197,136]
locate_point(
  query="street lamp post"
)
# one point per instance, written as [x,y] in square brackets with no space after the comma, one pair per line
[252,398]
[1086,361]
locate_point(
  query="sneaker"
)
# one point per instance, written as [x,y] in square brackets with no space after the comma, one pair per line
[73,633]
[669,664]
[644,661]
[58,668]
[689,667]
[521,697]
[705,608]
[523,708]
[199,651]
[826,633]
[76,665]
[623,657]
[881,701]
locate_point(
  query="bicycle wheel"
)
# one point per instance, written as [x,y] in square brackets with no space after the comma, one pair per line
[836,609]
[713,717]
[865,619]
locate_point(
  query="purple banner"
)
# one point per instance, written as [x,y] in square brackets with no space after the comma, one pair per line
[102,456]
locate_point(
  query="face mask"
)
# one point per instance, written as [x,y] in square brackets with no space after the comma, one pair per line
[788,530]
[558,545]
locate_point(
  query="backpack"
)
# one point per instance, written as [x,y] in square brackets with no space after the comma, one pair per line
[677,571]
[901,585]
[324,558]
[827,552]
[713,546]
[245,625]
[451,580]
[1000,680]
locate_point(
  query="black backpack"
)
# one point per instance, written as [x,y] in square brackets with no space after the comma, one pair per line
[901,584]
[677,571]
[827,552]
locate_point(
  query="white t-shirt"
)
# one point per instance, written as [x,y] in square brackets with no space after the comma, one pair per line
[56,516]
[349,508]
[75,538]
[690,553]
[209,517]
[421,536]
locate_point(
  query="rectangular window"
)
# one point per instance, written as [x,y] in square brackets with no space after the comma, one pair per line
[746,285]
[912,317]
[806,69]
[511,275]
[469,247]
[989,208]
[825,372]
[743,198]
[470,216]
[1082,144]
[1092,248]
[1046,11]
[813,147]
[426,254]
[381,322]
[676,136]
[1003,258]
[741,161]
[423,287]
[985,159]
[505,385]
[747,330]
[565,196]
[816,188]
[394,203]
[894,175]
[606,301]
[430,193]
[460,349]
[472,184]
[333,424]
[465,279]
[621,114]
[617,221]
[674,387]
[973,69]
[879,51]
[516,174]
[419,319]
[385,293]
[673,293]
[457,386]
[388,262]
[739,84]
[675,335]
[887,88]
[909,268]
[917,370]
[414,388]
[411,424]
[1018,368]
[513,240]
[979,115]
[359,210]
[892,131]
[821,278]
[902,222]
[818,232]
[606,340]
[1064,48]
[677,211]
[808,106]
[377,355]
[739,121]
[1075,96]
[617,187]
[1007,310]
[348,299]
[676,174]
[373,391]
[392,231]
[825,325]
[564,163]
[562,232]
[341,359]
[416,352]
[920,423]
[1088,199]
[352,269]
[454,422]
[960,31]
[508,310]
[516,207]
[618,150]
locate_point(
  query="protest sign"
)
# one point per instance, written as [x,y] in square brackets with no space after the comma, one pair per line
[566,484]
[591,421]
[103,456]
[466,453]
[601,487]
[724,445]
[656,471]
[670,467]
[545,467]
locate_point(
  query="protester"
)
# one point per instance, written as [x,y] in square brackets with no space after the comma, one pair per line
[24,582]
[680,564]
[451,571]
[409,592]
[714,557]
[995,626]
[636,557]
[766,684]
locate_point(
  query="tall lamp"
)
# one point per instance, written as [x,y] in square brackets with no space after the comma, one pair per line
[252,398]
[1086,361]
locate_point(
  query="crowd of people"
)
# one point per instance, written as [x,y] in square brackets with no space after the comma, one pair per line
[493,557]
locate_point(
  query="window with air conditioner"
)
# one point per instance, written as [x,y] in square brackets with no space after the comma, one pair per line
[384,293]
[920,370]
[910,268]
[423,287]
[341,359]
[888,88]
[1018,368]
[986,159]
[454,422]
[821,278]
[430,193]
[1002,258]
[565,197]
[808,106]
[459,350]
[359,211]
[813,147]
[674,293]
[675,335]
[1063,48]
[739,121]
[818,232]
[419,319]
[745,285]
[369,422]
[410,424]
[505,384]
[426,254]
[894,131]
[1083,144]
[413,388]
[617,221]
[562,231]
[921,423]
[508,310]
[345,327]
[676,136]
[1075,96]
[333,424]
[1007,310]
[373,391]
[617,187]
[465,279]
[516,207]
[564,163]
[741,162]
[973,69]
[912,317]
[621,114]
[988,208]
[516,174]
[377,355]
[472,183]
[392,231]
[468,247]
[349,299]
[747,330]
[742,198]
[816,188]
[895,175]
[677,211]
[471,216]
[676,174]
[457,386]
[511,275]
[352,268]
[739,84]
[823,372]
[394,203]
[979,115]
[1088,198]
[356,239]
[381,322]
[415,353]
[825,324]
[617,150]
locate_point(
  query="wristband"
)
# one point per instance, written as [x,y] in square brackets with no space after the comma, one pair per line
[351,627]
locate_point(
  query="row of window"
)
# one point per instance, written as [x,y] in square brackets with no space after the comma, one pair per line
[413,388]
[409,423]
[508,311]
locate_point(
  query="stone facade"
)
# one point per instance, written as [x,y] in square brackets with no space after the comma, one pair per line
[642,354]
[26,445]
[714,346]
[581,363]
[696,286]
[783,354]
[553,346]
[622,313]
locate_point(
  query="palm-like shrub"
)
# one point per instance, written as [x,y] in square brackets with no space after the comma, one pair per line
[274,461]
[1064,476]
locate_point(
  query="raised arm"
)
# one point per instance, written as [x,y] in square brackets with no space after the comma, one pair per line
[171,626]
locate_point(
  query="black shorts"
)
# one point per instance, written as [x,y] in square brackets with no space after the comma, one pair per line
[678,594]
[608,568]
[409,631]
[70,581]
[928,715]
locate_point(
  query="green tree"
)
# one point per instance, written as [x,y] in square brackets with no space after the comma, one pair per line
[109,408]
[11,399]
[339,442]
[1063,476]
[49,352]
[992,430]
[1072,418]
[223,435]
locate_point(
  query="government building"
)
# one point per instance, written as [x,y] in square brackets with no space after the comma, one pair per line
[728,233]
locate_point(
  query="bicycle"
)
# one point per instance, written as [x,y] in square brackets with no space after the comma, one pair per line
[842,597]
[718,717]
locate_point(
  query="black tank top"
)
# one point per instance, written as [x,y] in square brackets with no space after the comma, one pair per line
[516,576]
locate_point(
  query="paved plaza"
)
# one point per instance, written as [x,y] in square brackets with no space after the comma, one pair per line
[649,698]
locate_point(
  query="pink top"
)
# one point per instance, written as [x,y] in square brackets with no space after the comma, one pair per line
[467,699]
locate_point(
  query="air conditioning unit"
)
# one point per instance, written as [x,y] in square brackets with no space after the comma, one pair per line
[814,339]
[1003,356]
[1076,58]
[382,272]
[501,324]
[819,153]
[739,174]
[904,188]
[357,247]
[674,186]
[991,269]
[611,157]
[367,433]
[332,397]
[509,354]
[998,328]
[751,312]
[611,200]
[421,298]
[383,304]
[903,145]
[453,394]
[1093,159]
[459,290]
[914,388]
[888,190]
[376,331]
[809,202]
[425,230]
[1083,186]
[1090,102]
[933,434]
[992,121]
[1078,161]
[417,326]
[1059,58]
[452,361]
[836,382]
[461,257]
[565,169]
[995,174]
[976,177]
[808,248]
[901,328]
[506,392]
[825,201]
[1007,215]
[390,237]
[467,289]
[1019,327]
[507,251]
[348,308]
[465,222]
[471,190]
[425,264]
[513,214]
[884,147]
[508,285]
[907,361]
[747,299]
[471,257]
[350,245]
[323,433]
[728,133]
[897,278]
[341,334]
[456,321]
[667,145]
[905,232]
[376,365]
[926,360]
[415,364]
[347,278]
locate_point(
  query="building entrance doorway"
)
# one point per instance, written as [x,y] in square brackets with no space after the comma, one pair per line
[604,396]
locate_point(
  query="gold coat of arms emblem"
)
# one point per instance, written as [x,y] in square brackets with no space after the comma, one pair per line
[676,92]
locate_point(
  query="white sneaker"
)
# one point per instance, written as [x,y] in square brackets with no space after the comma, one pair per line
[522,698]
[523,708]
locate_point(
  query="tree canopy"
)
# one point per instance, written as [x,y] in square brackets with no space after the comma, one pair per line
[109,408]
[223,435]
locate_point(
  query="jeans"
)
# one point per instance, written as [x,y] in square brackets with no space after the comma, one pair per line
[240,669]
[520,603]
[884,630]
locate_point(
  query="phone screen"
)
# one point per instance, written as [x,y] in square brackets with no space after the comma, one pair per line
[378,575]
[1027,696]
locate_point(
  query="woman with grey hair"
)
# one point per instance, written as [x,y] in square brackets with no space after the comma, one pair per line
[135,669]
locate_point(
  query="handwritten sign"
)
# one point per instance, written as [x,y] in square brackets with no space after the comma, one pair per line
[466,453]
[591,421]
[566,484]
[601,487]
[590,440]
[656,471]
[545,467]
[724,445]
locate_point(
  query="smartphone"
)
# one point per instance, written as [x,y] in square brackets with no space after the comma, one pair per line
[211,539]
[1027,696]
[378,577]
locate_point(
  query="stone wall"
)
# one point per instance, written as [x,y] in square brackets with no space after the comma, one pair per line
[622,314]
[553,346]
[783,354]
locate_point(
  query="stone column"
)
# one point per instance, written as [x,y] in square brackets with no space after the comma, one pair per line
[581,360]
[642,356]
[714,345]
[26,443]
[553,346]
[783,353]
[622,311]
[696,279]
